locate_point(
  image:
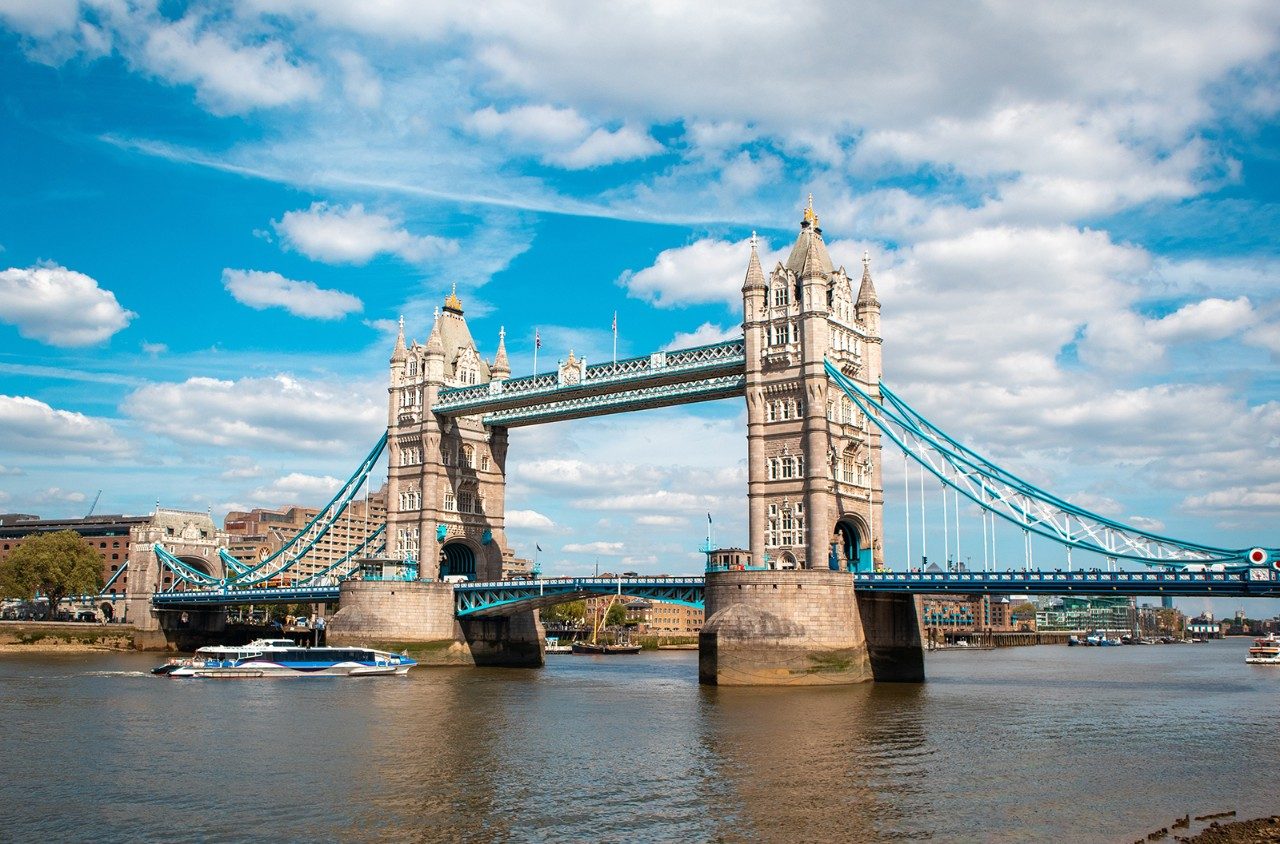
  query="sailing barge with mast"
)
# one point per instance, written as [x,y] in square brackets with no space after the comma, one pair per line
[602,648]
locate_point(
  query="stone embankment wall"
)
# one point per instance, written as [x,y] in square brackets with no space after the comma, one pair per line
[18,636]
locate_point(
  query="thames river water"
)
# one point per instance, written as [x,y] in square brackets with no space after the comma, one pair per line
[1026,744]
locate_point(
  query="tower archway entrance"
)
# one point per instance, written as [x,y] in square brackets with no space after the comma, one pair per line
[847,553]
[458,560]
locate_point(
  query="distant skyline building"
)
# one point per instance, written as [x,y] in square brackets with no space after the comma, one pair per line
[253,535]
[1114,614]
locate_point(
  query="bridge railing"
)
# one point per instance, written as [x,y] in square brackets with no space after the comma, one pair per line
[1051,577]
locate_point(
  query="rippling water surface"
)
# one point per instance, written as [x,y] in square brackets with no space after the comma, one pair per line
[1028,744]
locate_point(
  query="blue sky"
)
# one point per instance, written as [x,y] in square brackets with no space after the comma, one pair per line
[212,214]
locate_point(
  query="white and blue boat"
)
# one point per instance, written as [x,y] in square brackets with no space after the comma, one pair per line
[283,658]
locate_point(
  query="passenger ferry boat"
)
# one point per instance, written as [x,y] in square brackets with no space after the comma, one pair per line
[1265,651]
[283,658]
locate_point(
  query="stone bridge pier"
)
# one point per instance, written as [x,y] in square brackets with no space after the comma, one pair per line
[419,618]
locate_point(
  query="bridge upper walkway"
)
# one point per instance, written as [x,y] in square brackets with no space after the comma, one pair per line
[661,379]
[505,597]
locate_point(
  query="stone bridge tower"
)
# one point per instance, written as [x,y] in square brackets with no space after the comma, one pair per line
[446,500]
[192,537]
[815,495]
[446,476]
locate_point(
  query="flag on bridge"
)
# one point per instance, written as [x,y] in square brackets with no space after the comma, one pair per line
[536,545]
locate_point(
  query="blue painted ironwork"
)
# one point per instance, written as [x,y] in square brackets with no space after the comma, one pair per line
[184,573]
[311,533]
[242,597]
[1251,583]
[1015,500]
[658,369]
[114,577]
[347,559]
[504,597]
[579,406]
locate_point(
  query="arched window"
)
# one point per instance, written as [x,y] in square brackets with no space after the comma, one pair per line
[411,368]
[468,457]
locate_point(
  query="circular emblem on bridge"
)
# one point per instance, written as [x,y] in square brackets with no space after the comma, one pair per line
[1258,556]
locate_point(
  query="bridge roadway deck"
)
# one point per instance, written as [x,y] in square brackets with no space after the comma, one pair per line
[504,597]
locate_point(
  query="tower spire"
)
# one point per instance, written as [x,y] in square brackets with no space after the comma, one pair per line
[398,354]
[435,344]
[501,366]
[755,274]
[867,290]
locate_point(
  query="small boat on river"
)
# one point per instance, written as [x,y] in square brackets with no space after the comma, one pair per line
[605,648]
[597,647]
[282,658]
[1265,651]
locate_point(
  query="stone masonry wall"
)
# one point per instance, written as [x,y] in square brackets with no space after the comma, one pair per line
[782,628]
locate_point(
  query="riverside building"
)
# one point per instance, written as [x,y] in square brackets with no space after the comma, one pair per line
[258,533]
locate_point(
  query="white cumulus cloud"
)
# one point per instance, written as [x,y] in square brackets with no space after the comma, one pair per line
[58,306]
[29,426]
[704,335]
[229,77]
[352,235]
[261,290]
[529,520]
[297,488]
[279,412]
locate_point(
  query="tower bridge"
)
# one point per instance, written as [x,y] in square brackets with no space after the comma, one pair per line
[814,605]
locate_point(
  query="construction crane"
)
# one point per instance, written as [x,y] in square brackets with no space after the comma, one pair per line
[94,505]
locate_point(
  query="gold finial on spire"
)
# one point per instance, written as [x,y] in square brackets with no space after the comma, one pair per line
[453,303]
[810,217]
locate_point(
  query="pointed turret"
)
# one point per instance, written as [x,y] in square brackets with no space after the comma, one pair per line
[435,345]
[501,366]
[867,291]
[398,354]
[755,275]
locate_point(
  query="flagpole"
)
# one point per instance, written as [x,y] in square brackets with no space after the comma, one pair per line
[615,339]
[537,341]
